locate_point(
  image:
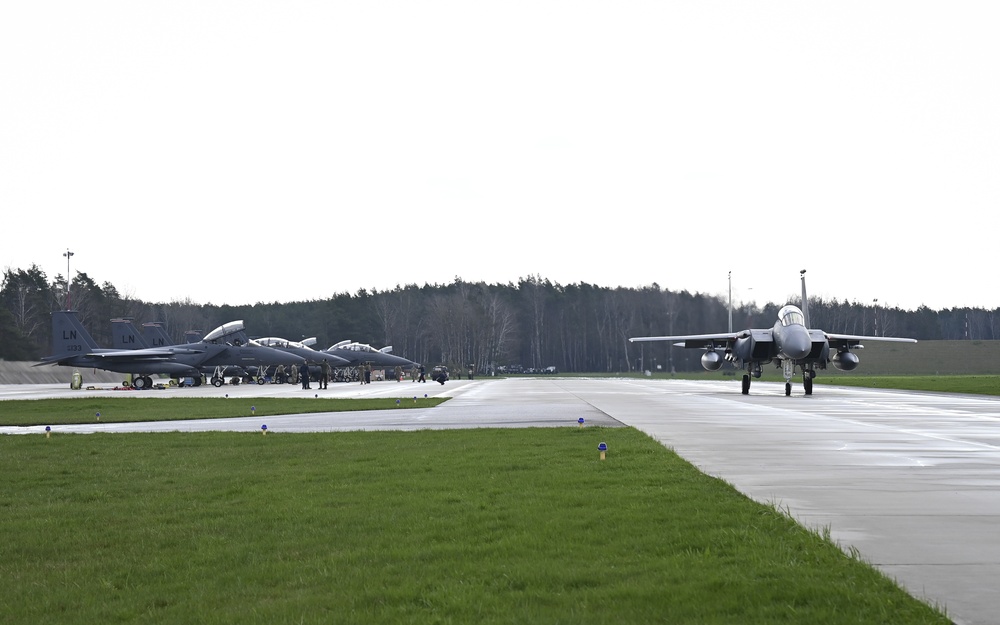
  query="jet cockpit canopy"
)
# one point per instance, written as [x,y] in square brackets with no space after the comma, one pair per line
[357,347]
[791,315]
[274,341]
[225,332]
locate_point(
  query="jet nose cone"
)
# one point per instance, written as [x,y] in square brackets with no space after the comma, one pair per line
[796,344]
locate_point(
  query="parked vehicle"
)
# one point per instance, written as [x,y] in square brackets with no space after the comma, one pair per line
[439,374]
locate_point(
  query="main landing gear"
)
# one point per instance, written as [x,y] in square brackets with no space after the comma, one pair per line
[753,371]
[141,382]
[807,380]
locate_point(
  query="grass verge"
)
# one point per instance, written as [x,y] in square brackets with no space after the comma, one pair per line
[485,526]
[971,384]
[21,412]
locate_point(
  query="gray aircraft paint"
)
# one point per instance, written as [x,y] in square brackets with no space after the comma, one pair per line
[790,343]
[73,346]
[360,354]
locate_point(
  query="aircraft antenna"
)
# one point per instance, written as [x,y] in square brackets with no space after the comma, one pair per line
[730,301]
[805,299]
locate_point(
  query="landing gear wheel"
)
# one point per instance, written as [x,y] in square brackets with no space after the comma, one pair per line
[260,380]
[139,382]
[217,382]
[807,383]
[788,389]
[746,384]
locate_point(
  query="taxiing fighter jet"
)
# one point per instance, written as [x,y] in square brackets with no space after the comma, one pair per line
[790,343]
[73,346]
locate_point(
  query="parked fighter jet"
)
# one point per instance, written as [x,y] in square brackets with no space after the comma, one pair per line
[313,357]
[310,355]
[360,354]
[125,336]
[73,346]
[790,343]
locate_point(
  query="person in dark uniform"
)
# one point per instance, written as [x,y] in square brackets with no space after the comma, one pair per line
[304,374]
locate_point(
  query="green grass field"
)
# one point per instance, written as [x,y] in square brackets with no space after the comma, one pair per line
[467,526]
[970,384]
[153,408]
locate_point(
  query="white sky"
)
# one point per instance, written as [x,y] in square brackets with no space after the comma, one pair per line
[238,152]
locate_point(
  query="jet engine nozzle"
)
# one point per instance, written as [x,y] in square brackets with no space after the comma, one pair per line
[712,361]
[846,361]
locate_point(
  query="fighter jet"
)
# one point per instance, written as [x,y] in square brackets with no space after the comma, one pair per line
[312,356]
[790,343]
[73,346]
[125,336]
[359,354]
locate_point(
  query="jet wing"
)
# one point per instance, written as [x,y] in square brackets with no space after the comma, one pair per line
[839,341]
[697,340]
[146,354]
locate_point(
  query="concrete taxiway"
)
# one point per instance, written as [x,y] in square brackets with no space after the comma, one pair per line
[909,480]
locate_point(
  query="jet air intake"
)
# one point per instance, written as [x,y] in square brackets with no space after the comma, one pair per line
[712,360]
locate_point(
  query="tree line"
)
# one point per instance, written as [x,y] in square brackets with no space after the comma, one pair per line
[533,323]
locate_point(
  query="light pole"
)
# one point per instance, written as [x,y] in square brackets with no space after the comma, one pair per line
[730,301]
[670,349]
[875,301]
[68,254]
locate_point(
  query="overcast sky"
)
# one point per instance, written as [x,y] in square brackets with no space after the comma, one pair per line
[242,152]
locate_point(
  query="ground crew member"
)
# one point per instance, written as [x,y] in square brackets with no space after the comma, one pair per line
[324,377]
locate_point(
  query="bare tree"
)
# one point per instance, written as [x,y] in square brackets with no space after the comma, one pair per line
[500,326]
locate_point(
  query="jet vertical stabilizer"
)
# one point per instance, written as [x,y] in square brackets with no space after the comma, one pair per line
[69,337]
[154,334]
[125,336]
